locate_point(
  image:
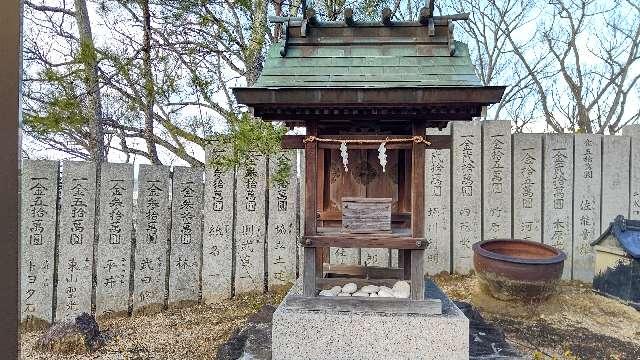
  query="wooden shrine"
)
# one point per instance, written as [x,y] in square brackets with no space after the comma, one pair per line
[354,86]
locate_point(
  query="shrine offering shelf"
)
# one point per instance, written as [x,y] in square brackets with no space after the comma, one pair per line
[365,304]
[344,240]
[328,283]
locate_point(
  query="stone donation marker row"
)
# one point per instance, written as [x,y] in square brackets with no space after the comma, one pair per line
[238,230]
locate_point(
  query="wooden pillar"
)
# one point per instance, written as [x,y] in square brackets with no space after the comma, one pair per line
[416,258]
[310,254]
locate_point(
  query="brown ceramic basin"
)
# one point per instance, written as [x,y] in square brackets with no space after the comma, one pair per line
[517,269]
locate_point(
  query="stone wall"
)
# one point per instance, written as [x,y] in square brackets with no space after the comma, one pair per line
[181,234]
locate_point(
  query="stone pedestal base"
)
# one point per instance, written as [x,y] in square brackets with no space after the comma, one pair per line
[300,334]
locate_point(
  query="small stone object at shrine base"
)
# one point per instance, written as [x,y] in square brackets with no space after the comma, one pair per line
[360,294]
[336,290]
[350,288]
[370,289]
[326,293]
[344,294]
[401,289]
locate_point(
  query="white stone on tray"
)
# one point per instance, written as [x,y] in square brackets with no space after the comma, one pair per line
[369,289]
[360,294]
[344,294]
[385,293]
[402,293]
[401,289]
[326,293]
[350,288]
[336,290]
[384,288]
[373,295]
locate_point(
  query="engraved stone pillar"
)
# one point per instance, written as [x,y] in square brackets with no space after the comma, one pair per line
[218,230]
[558,192]
[437,195]
[282,230]
[586,203]
[466,188]
[152,238]
[75,244]
[39,192]
[496,171]
[186,235]
[615,177]
[527,187]
[250,226]
[115,231]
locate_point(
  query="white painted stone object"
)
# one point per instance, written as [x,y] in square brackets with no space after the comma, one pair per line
[350,288]
[401,289]
[336,290]
[344,294]
[386,293]
[326,293]
[369,289]
[39,183]
[360,294]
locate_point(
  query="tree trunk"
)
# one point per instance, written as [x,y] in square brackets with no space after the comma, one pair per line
[253,51]
[149,84]
[89,60]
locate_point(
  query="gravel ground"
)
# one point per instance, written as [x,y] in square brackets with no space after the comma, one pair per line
[195,332]
[575,323]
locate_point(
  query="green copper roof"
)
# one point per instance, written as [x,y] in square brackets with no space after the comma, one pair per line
[368,65]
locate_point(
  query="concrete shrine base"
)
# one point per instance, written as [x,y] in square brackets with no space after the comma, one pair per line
[303,334]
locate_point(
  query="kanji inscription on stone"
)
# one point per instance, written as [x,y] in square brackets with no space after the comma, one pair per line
[39,184]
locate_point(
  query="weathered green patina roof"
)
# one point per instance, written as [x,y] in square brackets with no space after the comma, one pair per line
[368,71]
[386,65]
